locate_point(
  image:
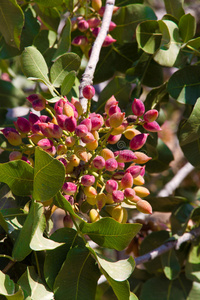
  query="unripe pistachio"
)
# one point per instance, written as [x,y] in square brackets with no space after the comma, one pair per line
[33,118]
[112,26]
[107,153]
[101,200]
[102,10]
[78,107]
[87,180]
[152,126]
[96,120]
[139,180]
[92,145]
[81,130]
[75,161]
[81,152]
[96,4]
[116,119]
[150,115]
[111,185]
[90,191]
[70,141]
[61,149]
[87,122]
[134,170]
[61,120]
[62,160]
[120,129]
[69,198]
[110,102]
[135,199]
[129,133]
[44,119]
[125,156]
[129,193]
[36,137]
[98,162]
[121,166]
[23,125]
[118,196]
[55,130]
[94,215]
[69,188]
[118,175]
[91,201]
[144,207]
[113,109]
[109,199]
[142,158]
[32,97]
[141,191]
[68,110]
[69,168]
[127,181]
[83,25]
[88,92]
[108,41]
[70,124]
[95,31]
[12,135]
[111,164]
[117,213]
[138,107]
[113,139]
[138,141]
[80,40]
[67,221]
[93,22]
[14,155]
[95,134]
[29,161]
[88,138]
[51,151]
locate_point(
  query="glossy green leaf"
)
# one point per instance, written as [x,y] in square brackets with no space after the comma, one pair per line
[170,263]
[55,258]
[7,286]
[65,40]
[149,36]
[18,175]
[189,136]
[155,97]
[125,56]
[78,276]
[192,268]
[68,82]
[194,292]
[187,27]
[119,270]
[44,40]
[109,233]
[194,45]
[175,8]
[127,2]
[10,96]
[165,204]
[184,85]
[33,285]
[152,241]
[49,175]
[167,55]
[62,66]
[127,18]
[22,245]
[120,288]
[49,3]
[7,51]
[3,223]
[179,218]
[34,65]
[50,16]
[11,22]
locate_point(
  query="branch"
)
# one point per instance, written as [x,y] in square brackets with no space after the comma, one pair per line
[87,77]
[186,237]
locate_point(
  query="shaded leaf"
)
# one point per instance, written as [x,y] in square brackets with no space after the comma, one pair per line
[78,276]
[11,22]
[120,288]
[10,96]
[68,82]
[50,16]
[7,285]
[194,292]
[3,223]
[49,3]
[109,233]
[65,40]
[194,45]
[170,264]
[180,217]
[187,27]
[165,204]
[44,40]
[49,175]
[18,175]
[175,8]
[192,267]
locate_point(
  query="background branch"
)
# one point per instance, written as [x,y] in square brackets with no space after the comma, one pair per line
[87,77]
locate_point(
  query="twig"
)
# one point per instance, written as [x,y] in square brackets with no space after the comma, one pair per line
[170,187]
[87,77]
[186,237]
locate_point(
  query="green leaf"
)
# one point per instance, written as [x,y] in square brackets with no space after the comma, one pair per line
[194,292]
[180,217]
[120,288]
[127,2]
[170,264]
[34,65]
[50,16]
[65,40]
[3,223]
[125,56]
[175,8]
[78,276]
[55,258]
[18,175]
[10,96]
[22,245]
[149,36]
[184,85]
[165,204]
[11,22]
[189,136]
[49,3]
[7,286]
[187,27]
[133,297]
[109,233]
[167,55]
[68,83]
[127,18]
[119,270]
[49,175]
[155,97]
[44,40]
[194,45]
[62,66]
[192,267]
[34,286]
[7,51]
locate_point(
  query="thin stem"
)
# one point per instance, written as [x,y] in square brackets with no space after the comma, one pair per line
[9,266]
[37,264]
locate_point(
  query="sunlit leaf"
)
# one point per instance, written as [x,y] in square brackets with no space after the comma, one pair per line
[175,8]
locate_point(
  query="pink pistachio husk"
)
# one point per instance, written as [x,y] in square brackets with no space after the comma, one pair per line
[24,158]
[12,135]
[69,198]
[93,22]
[44,119]
[98,162]
[70,141]
[129,193]
[125,156]
[112,26]
[88,138]
[116,119]
[102,10]
[61,149]
[80,40]
[118,196]
[150,115]
[69,188]
[45,144]
[33,118]
[87,122]
[127,181]
[83,25]
[23,125]
[114,109]
[63,161]
[74,109]
[144,207]
[111,185]
[51,151]
[70,124]
[138,141]
[97,121]
[143,171]
[95,31]
[36,137]
[81,130]
[56,131]
[111,164]
[118,175]
[113,139]
[110,102]
[39,104]
[152,126]
[58,106]
[61,120]
[32,97]
[87,180]
[44,127]
[14,155]
[138,107]
[108,41]
[67,221]
[88,92]
[121,166]
[134,170]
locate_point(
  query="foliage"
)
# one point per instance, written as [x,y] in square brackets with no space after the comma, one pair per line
[48,161]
